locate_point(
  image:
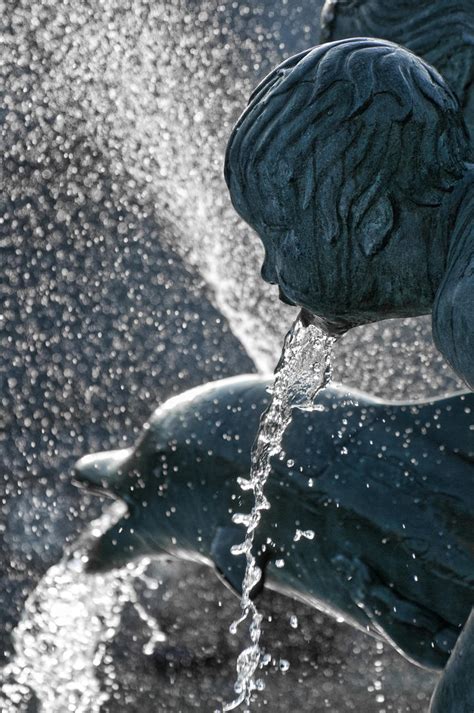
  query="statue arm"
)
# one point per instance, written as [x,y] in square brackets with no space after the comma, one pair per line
[455,690]
[453,311]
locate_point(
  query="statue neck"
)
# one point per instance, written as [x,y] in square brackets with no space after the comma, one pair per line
[453,310]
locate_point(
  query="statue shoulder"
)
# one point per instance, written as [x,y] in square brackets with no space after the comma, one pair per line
[453,311]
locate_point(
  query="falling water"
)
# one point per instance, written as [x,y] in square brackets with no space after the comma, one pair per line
[62,636]
[303,370]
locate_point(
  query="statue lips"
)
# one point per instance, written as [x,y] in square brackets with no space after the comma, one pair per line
[393,545]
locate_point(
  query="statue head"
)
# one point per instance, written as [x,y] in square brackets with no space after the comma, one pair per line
[341,163]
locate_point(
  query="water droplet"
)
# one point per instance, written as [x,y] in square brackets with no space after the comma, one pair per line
[241,519]
[245,483]
[307,534]
[239,549]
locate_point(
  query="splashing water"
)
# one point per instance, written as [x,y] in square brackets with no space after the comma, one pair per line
[303,370]
[62,636]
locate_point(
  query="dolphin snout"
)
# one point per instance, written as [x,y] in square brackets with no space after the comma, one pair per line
[98,472]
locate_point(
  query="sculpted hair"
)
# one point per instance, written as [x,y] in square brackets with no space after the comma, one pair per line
[440,31]
[340,135]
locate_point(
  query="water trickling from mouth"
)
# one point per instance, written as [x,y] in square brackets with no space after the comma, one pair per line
[303,370]
[63,633]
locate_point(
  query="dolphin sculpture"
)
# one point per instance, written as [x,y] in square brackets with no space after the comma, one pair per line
[372,508]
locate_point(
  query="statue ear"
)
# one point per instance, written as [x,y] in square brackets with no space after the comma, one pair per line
[375,226]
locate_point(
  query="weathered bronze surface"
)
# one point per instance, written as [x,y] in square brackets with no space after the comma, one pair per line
[440,32]
[384,492]
[352,163]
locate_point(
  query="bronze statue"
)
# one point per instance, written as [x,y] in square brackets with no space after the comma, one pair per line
[440,32]
[352,163]
[372,510]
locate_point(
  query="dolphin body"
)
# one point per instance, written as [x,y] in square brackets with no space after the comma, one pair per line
[387,490]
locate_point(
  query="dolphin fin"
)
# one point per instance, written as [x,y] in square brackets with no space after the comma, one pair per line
[416,632]
[117,547]
[231,568]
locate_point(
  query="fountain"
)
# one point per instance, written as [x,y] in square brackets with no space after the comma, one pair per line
[69,605]
[348,532]
[303,370]
[114,116]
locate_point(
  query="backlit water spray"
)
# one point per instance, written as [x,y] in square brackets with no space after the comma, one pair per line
[303,370]
[64,630]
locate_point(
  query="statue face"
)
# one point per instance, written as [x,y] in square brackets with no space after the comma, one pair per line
[281,266]
[290,262]
[342,162]
[346,286]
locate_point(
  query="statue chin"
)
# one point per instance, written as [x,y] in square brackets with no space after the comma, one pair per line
[335,328]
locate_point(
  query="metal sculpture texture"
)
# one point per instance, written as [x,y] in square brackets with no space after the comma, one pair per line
[352,163]
[371,513]
[440,32]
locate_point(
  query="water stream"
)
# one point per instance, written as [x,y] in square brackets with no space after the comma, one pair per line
[303,370]
[64,630]
[71,616]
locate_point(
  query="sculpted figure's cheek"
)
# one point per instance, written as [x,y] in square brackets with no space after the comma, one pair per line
[291,263]
[289,254]
[291,246]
